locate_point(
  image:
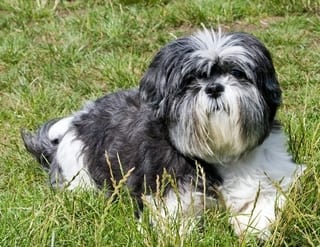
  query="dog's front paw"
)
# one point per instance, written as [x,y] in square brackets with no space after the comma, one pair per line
[251,225]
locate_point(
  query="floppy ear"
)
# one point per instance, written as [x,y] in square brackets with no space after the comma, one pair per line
[153,82]
[272,94]
[266,75]
[163,77]
[268,82]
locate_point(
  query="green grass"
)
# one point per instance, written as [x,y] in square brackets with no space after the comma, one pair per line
[55,55]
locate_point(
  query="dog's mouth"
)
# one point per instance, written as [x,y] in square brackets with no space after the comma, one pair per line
[218,105]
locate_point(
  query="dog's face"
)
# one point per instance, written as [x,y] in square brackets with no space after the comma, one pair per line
[218,94]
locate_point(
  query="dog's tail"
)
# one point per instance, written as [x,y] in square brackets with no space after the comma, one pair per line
[40,145]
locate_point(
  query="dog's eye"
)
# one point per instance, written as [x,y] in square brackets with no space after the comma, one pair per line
[239,74]
[200,74]
[203,75]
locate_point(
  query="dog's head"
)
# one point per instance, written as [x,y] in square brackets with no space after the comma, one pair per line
[218,93]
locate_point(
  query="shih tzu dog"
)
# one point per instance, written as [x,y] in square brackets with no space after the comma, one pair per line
[206,102]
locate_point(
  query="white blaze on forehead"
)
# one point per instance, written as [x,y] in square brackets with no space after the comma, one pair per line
[209,39]
[217,46]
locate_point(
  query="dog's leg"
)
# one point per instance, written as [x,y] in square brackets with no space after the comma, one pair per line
[70,164]
[253,200]
[59,151]
[256,216]
[254,187]
[178,207]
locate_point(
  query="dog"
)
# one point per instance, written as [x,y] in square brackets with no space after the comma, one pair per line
[207,103]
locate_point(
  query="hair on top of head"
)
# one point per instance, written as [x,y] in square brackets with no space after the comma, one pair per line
[207,101]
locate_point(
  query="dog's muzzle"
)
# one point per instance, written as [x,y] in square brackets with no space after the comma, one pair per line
[214,90]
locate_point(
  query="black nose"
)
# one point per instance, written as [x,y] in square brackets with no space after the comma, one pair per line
[214,90]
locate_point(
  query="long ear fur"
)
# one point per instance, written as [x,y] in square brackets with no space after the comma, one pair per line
[173,64]
[266,78]
[163,76]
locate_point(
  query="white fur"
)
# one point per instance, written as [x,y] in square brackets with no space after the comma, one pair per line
[71,160]
[216,135]
[182,205]
[253,187]
[59,128]
[215,45]
[70,155]
[208,128]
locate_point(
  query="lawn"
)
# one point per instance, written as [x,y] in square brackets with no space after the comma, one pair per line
[56,55]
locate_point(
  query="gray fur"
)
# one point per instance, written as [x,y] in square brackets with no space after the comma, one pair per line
[164,124]
[39,144]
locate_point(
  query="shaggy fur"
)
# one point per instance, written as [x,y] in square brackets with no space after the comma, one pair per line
[206,101]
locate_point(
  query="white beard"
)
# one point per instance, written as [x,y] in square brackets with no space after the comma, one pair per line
[211,129]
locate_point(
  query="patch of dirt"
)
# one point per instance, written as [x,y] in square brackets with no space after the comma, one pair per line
[241,25]
[3,68]
[182,30]
[65,12]
[252,26]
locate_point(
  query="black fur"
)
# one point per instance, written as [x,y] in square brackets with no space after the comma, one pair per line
[39,144]
[132,127]
[132,137]
[146,147]
[173,67]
